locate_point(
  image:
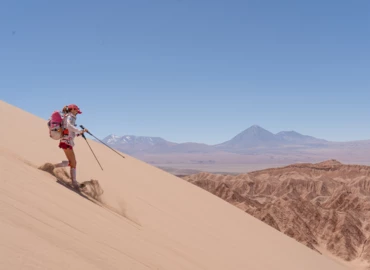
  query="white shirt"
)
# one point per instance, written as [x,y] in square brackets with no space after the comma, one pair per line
[69,121]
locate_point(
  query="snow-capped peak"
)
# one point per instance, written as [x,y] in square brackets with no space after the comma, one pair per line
[112,138]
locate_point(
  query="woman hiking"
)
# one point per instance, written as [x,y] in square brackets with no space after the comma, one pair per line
[67,141]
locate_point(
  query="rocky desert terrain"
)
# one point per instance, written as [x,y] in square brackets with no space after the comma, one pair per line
[324,206]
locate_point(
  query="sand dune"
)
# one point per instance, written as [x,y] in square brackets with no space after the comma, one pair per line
[148,219]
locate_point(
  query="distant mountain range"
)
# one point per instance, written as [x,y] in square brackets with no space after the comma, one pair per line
[250,139]
[255,145]
[138,144]
[257,137]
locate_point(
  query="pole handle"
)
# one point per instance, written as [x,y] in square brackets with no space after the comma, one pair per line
[84,128]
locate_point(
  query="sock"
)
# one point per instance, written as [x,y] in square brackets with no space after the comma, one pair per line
[73,175]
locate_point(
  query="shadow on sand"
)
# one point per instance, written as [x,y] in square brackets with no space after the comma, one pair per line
[90,190]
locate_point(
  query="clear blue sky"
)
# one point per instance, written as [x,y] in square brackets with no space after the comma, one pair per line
[192,70]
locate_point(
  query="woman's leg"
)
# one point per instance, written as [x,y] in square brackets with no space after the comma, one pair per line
[70,154]
[72,163]
[64,163]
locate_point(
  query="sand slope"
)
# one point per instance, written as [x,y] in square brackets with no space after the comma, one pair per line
[159,221]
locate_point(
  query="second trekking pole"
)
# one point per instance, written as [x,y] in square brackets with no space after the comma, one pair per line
[83,135]
[102,142]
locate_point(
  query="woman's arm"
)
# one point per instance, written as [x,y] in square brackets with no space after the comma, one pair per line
[71,127]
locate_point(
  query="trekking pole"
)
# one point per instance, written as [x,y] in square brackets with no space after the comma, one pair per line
[101,141]
[83,135]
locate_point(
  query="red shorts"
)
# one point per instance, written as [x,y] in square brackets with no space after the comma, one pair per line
[65,146]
